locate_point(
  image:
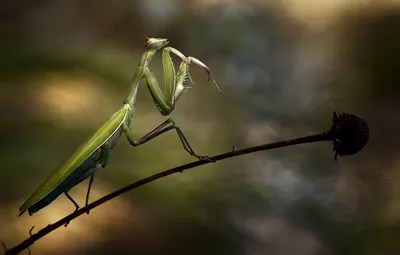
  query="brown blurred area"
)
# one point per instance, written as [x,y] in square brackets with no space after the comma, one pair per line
[284,66]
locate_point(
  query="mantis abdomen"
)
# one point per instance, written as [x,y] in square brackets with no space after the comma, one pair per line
[69,182]
[91,155]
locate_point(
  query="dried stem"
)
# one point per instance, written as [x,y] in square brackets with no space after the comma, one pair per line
[234,153]
[349,134]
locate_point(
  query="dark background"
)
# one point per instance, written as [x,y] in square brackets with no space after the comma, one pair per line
[284,67]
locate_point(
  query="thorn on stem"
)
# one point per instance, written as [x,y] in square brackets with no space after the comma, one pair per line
[233,148]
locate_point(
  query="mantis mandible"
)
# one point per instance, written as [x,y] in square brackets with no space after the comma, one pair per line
[95,152]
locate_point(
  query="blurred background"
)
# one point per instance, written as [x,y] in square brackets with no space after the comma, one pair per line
[284,66]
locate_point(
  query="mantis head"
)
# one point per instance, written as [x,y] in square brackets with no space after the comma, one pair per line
[156,43]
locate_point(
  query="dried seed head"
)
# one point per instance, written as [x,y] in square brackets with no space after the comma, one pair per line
[350,134]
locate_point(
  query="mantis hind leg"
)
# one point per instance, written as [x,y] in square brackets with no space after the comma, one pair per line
[88,191]
[164,127]
[98,167]
[105,157]
[72,200]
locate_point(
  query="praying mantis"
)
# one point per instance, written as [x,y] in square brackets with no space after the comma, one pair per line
[95,152]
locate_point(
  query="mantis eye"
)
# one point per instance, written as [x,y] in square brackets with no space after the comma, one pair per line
[156,43]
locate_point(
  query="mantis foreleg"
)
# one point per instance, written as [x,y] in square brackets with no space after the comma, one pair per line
[188,61]
[175,85]
[175,82]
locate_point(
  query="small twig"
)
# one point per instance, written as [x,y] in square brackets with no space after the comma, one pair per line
[343,130]
[41,233]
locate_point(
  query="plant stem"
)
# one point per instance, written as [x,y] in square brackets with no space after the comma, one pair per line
[46,230]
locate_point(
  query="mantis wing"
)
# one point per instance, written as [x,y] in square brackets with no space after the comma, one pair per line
[92,144]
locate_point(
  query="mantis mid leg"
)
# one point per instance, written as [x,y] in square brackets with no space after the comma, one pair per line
[166,126]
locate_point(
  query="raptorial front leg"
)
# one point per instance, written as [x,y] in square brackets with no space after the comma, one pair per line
[166,126]
[175,85]
[188,61]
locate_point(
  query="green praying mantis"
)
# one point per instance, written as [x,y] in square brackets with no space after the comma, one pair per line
[95,152]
